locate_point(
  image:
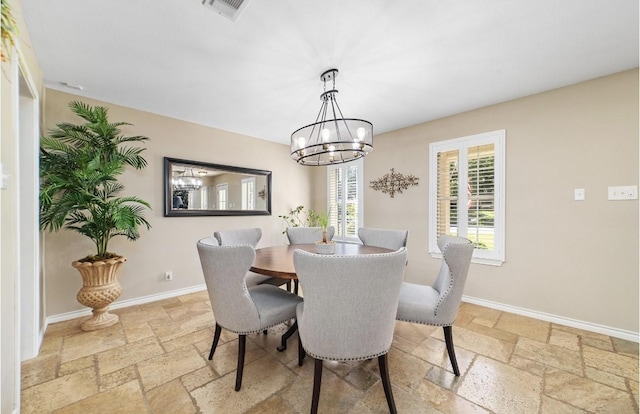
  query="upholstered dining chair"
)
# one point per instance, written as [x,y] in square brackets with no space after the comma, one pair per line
[348,323]
[235,307]
[251,237]
[307,235]
[389,239]
[438,304]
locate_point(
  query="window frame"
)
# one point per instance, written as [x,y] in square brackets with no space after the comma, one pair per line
[360,197]
[494,257]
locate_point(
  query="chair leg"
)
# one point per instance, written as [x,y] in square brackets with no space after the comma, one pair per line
[216,338]
[295,287]
[289,286]
[448,338]
[386,383]
[301,352]
[317,379]
[242,341]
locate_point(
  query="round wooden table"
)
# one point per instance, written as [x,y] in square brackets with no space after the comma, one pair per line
[277,261]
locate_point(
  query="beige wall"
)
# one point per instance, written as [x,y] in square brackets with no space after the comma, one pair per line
[170,244]
[574,259]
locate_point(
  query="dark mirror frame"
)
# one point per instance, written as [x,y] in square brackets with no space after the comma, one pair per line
[168,191]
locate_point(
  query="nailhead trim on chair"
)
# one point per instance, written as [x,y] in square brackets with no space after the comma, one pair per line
[326,358]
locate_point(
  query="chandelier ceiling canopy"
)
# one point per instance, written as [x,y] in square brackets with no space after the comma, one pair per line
[332,138]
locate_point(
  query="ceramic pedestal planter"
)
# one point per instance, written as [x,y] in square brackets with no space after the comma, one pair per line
[325,248]
[100,287]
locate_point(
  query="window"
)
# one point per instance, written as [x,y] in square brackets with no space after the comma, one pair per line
[345,207]
[249,193]
[476,164]
[222,191]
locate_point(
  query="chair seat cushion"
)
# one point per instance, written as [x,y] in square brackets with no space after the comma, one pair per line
[274,304]
[255,279]
[418,304]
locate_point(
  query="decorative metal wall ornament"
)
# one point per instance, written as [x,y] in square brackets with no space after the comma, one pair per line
[393,183]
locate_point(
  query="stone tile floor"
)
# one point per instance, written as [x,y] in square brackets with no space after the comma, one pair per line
[155,361]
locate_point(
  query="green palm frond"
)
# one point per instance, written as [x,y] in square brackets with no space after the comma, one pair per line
[79,168]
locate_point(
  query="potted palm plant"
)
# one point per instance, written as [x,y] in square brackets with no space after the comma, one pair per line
[79,191]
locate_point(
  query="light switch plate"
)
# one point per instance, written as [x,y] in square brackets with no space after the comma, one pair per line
[628,192]
[578,194]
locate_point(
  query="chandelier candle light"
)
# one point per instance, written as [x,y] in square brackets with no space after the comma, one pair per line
[187,181]
[332,138]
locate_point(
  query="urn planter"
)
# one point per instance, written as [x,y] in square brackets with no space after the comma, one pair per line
[100,287]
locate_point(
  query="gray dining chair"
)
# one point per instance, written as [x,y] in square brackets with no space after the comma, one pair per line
[250,236]
[307,235]
[438,304]
[349,310]
[237,308]
[389,239]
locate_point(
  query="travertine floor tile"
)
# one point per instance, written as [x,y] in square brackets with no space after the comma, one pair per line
[171,398]
[552,406]
[434,351]
[86,343]
[261,379]
[550,355]
[164,368]
[38,370]
[126,398]
[586,394]
[610,362]
[59,392]
[155,361]
[524,326]
[480,344]
[486,385]
[129,354]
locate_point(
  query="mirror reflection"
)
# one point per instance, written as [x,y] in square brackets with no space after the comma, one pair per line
[196,188]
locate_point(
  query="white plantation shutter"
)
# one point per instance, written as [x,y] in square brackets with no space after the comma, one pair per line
[344,191]
[466,192]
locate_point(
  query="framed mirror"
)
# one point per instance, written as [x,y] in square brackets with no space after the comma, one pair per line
[193,188]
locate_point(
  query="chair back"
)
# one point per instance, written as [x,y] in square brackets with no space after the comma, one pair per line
[242,236]
[224,268]
[307,235]
[389,239]
[350,303]
[456,258]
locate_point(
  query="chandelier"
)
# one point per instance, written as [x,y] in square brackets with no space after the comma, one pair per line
[332,138]
[186,180]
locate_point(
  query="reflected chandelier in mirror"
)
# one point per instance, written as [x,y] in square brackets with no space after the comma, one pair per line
[193,188]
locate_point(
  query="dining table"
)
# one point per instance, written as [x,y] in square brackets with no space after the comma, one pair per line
[277,261]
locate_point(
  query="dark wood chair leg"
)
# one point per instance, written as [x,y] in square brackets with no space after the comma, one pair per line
[317,380]
[386,382]
[264,332]
[289,286]
[287,335]
[216,338]
[301,352]
[295,287]
[448,338]
[242,341]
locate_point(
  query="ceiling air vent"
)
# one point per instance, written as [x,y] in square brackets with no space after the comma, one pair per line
[230,9]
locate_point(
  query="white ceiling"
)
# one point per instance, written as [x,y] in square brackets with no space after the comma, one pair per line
[401,62]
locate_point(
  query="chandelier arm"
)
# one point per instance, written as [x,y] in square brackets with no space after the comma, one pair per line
[344,121]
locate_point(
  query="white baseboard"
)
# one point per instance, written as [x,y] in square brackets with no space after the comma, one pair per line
[125,303]
[587,326]
[560,320]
